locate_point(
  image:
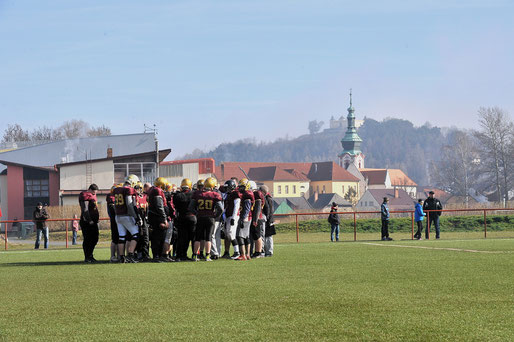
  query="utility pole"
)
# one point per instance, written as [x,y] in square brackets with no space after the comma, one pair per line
[154,131]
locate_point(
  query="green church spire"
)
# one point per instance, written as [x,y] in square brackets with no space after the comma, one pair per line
[351,141]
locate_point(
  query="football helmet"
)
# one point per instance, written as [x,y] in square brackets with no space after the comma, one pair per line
[230,185]
[161,182]
[210,183]
[244,184]
[132,180]
[199,184]
[186,184]
[138,185]
[252,185]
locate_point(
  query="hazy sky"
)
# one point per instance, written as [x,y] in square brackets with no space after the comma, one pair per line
[207,72]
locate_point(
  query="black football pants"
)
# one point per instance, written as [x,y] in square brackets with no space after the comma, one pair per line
[90,235]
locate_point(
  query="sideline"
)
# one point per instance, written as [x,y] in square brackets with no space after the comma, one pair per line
[438,248]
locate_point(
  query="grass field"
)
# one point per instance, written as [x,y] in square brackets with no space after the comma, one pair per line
[449,290]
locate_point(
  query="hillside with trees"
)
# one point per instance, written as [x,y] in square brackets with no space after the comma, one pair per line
[391,143]
[457,161]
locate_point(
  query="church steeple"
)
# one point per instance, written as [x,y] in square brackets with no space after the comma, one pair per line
[351,142]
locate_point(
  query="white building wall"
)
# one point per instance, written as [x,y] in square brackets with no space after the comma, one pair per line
[73,177]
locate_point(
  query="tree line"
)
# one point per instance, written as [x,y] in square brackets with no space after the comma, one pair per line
[67,130]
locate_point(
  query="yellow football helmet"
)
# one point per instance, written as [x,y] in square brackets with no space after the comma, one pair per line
[114,187]
[186,183]
[138,185]
[169,187]
[210,183]
[244,183]
[132,180]
[161,182]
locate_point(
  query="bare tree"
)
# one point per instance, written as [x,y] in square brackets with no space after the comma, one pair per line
[99,131]
[15,133]
[457,170]
[74,129]
[315,126]
[495,136]
[45,134]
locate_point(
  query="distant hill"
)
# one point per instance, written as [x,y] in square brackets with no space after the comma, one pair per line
[392,143]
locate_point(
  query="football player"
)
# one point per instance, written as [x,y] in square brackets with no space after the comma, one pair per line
[109,199]
[185,221]
[243,225]
[89,217]
[127,218]
[258,221]
[269,231]
[207,206]
[158,217]
[232,202]
[219,224]
[170,237]
[143,244]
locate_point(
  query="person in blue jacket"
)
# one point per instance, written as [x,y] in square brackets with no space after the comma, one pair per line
[418,217]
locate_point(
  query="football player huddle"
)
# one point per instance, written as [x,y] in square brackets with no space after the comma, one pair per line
[187,223]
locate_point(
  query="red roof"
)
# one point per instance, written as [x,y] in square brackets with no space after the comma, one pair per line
[275,173]
[374,176]
[226,170]
[329,171]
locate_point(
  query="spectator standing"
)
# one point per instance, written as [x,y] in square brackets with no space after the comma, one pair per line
[40,216]
[432,203]
[384,209]
[75,229]
[418,217]
[89,218]
[333,219]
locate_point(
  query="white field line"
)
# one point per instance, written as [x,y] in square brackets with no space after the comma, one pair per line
[439,248]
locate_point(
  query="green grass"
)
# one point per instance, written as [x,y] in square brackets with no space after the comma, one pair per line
[309,291]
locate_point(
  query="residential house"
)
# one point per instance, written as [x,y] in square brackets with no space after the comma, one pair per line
[329,177]
[372,199]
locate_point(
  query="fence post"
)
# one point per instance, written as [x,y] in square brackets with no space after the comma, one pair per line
[5,231]
[485,224]
[297,230]
[354,227]
[412,224]
[66,225]
[428,225]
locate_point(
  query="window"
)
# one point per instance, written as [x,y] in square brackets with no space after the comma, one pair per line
[294,189]
[323,189]
[36,188]
[343,189]
[287,189]
[145,171]
[317,189]
[280,189]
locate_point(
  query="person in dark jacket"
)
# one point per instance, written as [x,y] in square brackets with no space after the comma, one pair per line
[333,219]
[40,216]
[269,230]
[418,218]
[432,203]
[89,217]
[384,213]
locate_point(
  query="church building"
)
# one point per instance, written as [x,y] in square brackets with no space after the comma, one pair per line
[351,143]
